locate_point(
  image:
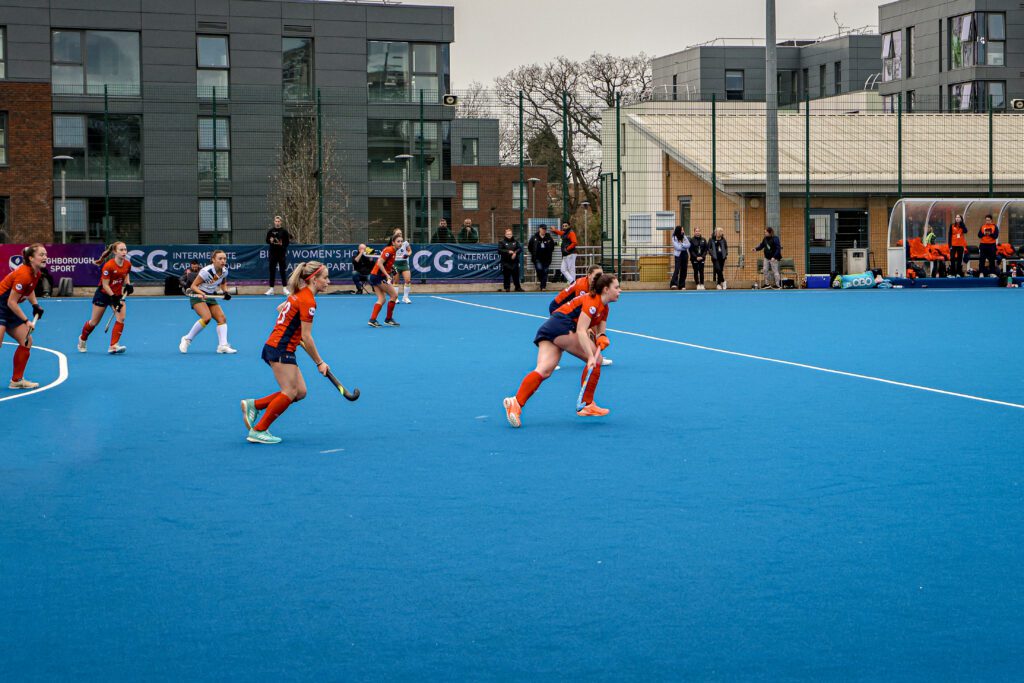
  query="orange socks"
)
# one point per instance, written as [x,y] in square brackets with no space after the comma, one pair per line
[530,384]
[87,329]
[115,336]
[391,309]
[21,355]
[376,311]
[588,393]
[262,403]
[277,406]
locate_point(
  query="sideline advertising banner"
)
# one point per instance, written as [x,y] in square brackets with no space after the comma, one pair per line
[152,263]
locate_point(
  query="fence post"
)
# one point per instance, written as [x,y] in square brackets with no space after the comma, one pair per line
[991,187]
[421,212]
[807,180]
[899,144]
[618,181]
[565,157]
[106,167]
[320,167]
[216,202]
[522,190]
[714,163]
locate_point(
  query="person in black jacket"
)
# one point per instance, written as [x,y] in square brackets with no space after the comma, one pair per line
[719,250]
[362,264]
[541,247]
[772,248]
[698,253]
[444,233]
[278,239]
[510,250]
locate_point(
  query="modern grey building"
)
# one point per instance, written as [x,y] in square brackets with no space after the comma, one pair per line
[807,68]
[177,113]
[952,56]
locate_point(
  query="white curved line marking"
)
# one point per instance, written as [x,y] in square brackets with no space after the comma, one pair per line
[766,359]
[62,360]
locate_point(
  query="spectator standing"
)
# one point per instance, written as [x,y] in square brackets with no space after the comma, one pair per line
[569,243]
[719,250]
[957,246]
[772,248]
[681,256]
[989,235]
[278,238]
[541,247]
[444,233]
[510,250]
[362,264]
[698,253]
[468,234]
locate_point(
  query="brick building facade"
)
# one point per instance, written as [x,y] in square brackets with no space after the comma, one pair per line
[496,188]
[26,183]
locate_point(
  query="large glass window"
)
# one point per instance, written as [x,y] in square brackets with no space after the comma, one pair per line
[470,151]
[86,62]
[387,138]
[977,39]
[892,56]
[213,64]
[398,70]
[471,196]
[733,84]
[3,138]
[973,96]
[3,52]
[83,221]
[520,196]
[297,68]
[210,222]
[81,136]
[214,145]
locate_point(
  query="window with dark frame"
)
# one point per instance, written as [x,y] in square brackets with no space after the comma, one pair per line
[910,52]
[471,196]
[297,68]
[675,87]
[839,77]
[213,66]
[892,56]
[520,201]
[97,147]
[977,39]
[207,226]
[821,80]
[734,84]
[805,85]
[214,144]
[3,138]
[94,62]
[3,52]
[470,151]
[400,71]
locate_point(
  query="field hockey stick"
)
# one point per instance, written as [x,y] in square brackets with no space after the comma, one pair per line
[113,314]
[350,395]
[580,405]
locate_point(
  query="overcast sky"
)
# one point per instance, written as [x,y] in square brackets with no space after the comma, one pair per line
[494,36]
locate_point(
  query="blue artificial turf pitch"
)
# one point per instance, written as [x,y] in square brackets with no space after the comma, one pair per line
[732,518]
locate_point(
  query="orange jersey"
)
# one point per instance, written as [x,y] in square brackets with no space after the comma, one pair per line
[22,280]
[957,237]
[298,309]
[596,309]
[581,286]
[115,274]
[385,262]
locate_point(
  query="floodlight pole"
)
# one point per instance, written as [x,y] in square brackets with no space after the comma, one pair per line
[771,98]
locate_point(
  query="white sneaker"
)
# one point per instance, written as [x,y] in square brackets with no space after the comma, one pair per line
[117,348]
[81,345]
[22,384]
[606,361]
[725,285]
[718,286]
[405,300]
[269,292]
[287,292]
[558,367]
[226,348]
[184,344]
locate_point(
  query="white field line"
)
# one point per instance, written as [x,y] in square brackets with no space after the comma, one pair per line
[62,360]
[766,359]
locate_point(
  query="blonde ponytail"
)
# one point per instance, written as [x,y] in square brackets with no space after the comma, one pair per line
[300,276]
[106,253]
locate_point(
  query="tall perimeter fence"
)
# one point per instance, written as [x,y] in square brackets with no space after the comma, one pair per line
[173,165]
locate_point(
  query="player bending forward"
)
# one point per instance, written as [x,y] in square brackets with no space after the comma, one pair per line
[294,326]
[577,327]
[201,296]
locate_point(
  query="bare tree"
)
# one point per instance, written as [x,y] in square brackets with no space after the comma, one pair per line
[474,104]
[294,191]
[589,87]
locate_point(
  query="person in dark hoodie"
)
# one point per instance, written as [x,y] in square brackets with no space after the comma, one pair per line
[772,248]
[698,253]
[989,235]
[541,247]
[719,250]
[510,250]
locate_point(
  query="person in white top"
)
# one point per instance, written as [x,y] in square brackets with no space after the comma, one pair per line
[402,256]
[202,298]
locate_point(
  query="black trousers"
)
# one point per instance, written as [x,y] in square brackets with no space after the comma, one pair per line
[956,261]
[279,261]
[511,273]
[719,266]
[988,259]
[542,274]
[359,280]
[698,272]
[679,274]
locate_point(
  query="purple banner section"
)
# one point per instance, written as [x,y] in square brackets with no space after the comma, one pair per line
[64,260]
